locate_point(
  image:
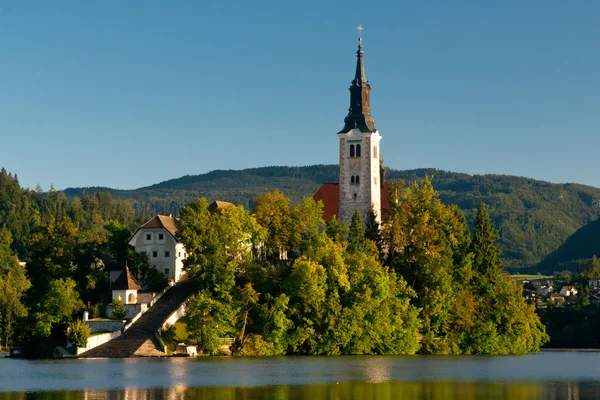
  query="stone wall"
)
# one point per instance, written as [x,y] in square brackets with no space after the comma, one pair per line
[133,309]
[105,326]
[97,340]
[174,316]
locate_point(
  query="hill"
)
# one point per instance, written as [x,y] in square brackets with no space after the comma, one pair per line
[578,248]
[533,217]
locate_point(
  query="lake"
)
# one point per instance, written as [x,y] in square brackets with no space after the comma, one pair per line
[553,375]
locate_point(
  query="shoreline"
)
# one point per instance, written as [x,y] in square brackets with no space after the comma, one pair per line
[574,350]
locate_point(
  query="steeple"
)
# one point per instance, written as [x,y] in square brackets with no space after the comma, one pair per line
[359,114]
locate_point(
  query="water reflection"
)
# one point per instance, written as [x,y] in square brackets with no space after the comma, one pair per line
[349,390]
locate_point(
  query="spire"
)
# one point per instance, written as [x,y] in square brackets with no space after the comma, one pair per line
[359,113]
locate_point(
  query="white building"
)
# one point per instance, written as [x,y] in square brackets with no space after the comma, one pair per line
[157,238]
[125,288]
[568,291]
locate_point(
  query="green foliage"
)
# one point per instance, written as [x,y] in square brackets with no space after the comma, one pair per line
[533,217]
[572,327]
[118,310]
[578,248]
[78,333]
[13,284]
[467,304]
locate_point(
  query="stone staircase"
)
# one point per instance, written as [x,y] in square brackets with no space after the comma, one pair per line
[139,340]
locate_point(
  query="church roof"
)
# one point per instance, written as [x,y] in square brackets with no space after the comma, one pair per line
[359,114]
[126,281]
[328,193]
[167,222]
[217,204]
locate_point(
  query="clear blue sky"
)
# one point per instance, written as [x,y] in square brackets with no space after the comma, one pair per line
[130,93]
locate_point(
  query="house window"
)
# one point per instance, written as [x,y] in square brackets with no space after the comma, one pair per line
[148,236]
[358,150]
[351,150]
[161,236]
[357,180]
[167,253]
[374,151]
[155,254]
[352,180]
[166,271]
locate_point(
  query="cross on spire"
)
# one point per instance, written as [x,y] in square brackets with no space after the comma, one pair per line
[360,29]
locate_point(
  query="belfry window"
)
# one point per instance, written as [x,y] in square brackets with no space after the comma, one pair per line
[351,150]
[352,180]
[358,150]
[357,180]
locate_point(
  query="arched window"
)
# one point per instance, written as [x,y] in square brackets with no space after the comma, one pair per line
[352,179]
[357,180]
[131,298]
[358,150]
[351,150]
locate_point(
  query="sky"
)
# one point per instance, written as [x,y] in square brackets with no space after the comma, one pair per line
[126,94]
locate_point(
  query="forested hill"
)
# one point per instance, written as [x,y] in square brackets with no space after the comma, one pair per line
[575,251]
[533,217]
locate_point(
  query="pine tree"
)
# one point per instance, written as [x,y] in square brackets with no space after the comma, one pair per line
[372,229]
[485,245]
[356,234]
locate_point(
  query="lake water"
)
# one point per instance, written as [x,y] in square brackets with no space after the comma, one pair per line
[564,375]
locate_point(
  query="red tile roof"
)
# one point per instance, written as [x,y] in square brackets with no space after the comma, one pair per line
[328,193]
[217,204]
[163,221]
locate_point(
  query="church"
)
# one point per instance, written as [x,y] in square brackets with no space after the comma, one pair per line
[361,179]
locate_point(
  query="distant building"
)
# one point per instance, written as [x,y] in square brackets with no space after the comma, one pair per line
[157,238]
[568,291]
[594,283]
[557,298]
[361,179]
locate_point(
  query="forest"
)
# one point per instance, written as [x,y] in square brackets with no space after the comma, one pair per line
[533,217]
[423,284]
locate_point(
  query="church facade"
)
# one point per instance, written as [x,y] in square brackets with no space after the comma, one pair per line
[361,178]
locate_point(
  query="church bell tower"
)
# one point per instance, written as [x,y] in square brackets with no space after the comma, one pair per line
[359,185]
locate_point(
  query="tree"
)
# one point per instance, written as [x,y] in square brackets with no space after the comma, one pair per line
[484,246]
[209,321]
[421,236]
[78,333]
[356,234]
[336,231]
[13,284]
[272,212]
[57,306]
[118,310]
[372,228]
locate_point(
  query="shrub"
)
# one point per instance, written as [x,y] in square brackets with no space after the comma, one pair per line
[78,333]
[118,310]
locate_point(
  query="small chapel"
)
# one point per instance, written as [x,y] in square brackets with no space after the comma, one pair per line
[361,183]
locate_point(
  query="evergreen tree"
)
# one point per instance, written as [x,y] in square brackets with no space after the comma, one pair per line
[356,233]
[486,260]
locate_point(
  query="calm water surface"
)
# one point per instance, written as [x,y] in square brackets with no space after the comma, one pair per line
[540,376]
